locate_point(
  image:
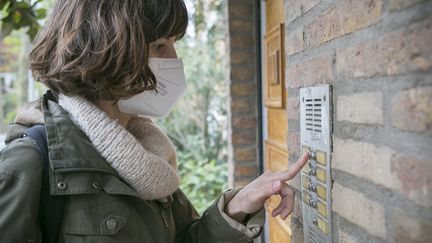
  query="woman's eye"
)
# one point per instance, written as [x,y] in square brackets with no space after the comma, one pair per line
[159,46]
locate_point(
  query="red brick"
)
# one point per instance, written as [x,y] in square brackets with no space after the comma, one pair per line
[411,51]
[308,5]
[406,174]
[401,4]
[242,73]
[294,142]
[297,212]
[293,105]
[368,108]
[242,105]
[395,53]
[241,25]
[414,177]
[364,160]
[245,40]
[346,237]
[363,60]
[241,57]
[246,170]
[295,8]
[412,109]
[245,122]
[368,213]
[342,19]
[240,9]
[244,137]
[242,89]
[359,14]
[297,232]
[245,154]
[409,229]
[294,42]
[314,71]
[324,28]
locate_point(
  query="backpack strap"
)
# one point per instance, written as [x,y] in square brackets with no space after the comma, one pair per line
[51,207]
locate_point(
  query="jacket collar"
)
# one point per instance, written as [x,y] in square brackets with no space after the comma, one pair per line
[69,148]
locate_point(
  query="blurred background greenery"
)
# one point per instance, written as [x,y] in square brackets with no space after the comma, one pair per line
[197,125]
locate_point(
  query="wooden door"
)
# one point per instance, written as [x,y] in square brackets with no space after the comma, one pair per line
[275,144]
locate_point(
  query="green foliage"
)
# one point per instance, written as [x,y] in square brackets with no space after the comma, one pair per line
[202,181]
[17,14]
[197,125]
[9,106]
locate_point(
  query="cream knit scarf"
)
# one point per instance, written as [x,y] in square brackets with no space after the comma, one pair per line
[142,154]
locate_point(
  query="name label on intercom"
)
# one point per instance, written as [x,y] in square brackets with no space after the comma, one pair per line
[315,127]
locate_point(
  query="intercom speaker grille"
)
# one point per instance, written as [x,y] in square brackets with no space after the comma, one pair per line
[313,115]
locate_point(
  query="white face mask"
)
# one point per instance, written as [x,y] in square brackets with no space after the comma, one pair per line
[171,86]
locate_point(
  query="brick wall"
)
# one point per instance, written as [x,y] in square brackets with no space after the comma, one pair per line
[243,125]
[377,55]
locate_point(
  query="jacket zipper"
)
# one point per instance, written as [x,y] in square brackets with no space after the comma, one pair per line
[164,217]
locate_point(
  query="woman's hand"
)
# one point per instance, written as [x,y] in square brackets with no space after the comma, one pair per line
[252,197]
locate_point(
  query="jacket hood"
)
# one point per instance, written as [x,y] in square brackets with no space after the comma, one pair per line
[28,115]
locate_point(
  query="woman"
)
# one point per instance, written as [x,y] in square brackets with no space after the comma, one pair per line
[115,169]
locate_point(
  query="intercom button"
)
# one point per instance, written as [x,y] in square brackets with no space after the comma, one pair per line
[306,197]
[312,187]
[312,171]
[322,192]
[322,225]
[322,208]
[313,203]
[321,174]
[306,182]
[312,155]
[321,157]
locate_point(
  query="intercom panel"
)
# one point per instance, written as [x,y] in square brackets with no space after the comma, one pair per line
[315,126]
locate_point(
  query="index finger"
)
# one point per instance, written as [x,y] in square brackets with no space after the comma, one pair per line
[293,170]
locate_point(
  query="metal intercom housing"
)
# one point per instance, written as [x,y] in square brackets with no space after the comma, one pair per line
[315,127]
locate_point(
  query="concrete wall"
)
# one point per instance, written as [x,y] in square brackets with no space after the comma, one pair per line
[377,55]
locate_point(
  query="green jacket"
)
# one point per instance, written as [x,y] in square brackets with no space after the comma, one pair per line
[99,207]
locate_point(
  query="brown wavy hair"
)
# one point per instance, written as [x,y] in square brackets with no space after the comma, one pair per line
[99,49]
